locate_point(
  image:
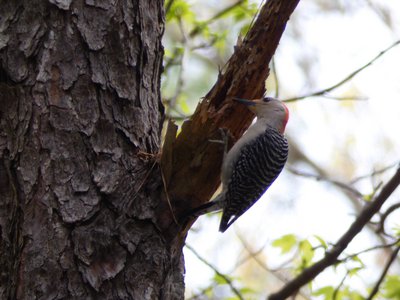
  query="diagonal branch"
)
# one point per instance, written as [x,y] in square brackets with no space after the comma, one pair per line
[332,255]
[346,79]
[317,177]
[384,272]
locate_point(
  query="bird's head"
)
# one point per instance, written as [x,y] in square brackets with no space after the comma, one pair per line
[273,111]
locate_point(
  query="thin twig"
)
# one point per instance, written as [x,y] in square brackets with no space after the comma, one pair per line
[275,77]
[273,272]
[349,98]
[336,291]
[196,30]
[202,292]
[342,185]
[388,211]
[377,247]
[141,184]
[384,272]
[299,155]
[346,79]
[332,255]
[226,278]
[254,254]
[255,16]
[379,171]
[180,83]
[168,6]
[251,255]
[167,196]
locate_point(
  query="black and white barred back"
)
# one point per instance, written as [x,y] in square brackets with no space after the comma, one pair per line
[259,164]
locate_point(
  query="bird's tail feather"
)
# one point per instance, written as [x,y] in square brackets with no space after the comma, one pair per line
[214,205]
[227,221]
[208,207]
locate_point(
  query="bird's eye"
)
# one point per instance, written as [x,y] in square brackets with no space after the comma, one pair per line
[266,99]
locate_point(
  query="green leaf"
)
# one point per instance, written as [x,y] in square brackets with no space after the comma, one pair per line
[396,230]
[218,279]
[330,293]
[183,105]
[321,241]
[219,40]
[391,287]
[354,271]
[307,253]
[246,290]
[180,9]
[355,258]
[347,293]
[326,291]
[368,198]
[286,243]
[202,28]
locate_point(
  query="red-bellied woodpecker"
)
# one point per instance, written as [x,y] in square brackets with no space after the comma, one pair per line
[253,163]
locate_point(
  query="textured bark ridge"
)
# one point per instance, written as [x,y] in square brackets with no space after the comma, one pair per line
[79,101]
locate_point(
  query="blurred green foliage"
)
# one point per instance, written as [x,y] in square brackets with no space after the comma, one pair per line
[198,40]
[391,288]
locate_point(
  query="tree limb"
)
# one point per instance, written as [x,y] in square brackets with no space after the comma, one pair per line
[332,255]
[192,166]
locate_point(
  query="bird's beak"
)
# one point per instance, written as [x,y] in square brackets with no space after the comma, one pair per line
[248,102]
[244,101]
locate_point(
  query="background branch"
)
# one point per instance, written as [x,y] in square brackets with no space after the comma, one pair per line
[317,177]
[332,255]
[225,277]
[346,79]
[297,155]
[378,247]
[384,216]
[384,272]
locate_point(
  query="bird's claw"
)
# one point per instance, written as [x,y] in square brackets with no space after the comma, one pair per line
[225,135]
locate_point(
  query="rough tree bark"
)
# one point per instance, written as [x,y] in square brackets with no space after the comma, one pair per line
[84,212]
[80,100]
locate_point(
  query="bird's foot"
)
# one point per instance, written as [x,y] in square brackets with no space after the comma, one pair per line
[225,136]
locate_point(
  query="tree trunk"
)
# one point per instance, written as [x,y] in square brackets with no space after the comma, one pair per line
[81,116]
[85,210]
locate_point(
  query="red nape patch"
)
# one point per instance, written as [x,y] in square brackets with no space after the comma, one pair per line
[286,117]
